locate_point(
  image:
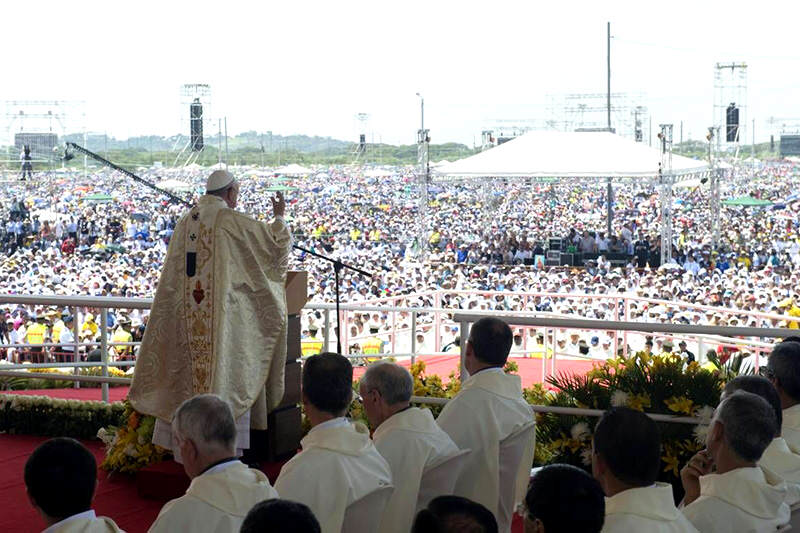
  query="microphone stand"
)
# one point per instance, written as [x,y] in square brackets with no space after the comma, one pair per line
[337,266]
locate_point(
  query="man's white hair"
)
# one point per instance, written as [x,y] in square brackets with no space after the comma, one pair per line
[391,380]
[207,420]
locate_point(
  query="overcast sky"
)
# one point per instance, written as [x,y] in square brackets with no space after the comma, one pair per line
[309,67]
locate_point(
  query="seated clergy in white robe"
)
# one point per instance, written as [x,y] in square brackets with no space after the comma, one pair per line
[407,437]
[339,464]
[61,477]
[223,489]
[783,370]
[777,459]
[218,321]
[488,409]
[626,460]
[739,495]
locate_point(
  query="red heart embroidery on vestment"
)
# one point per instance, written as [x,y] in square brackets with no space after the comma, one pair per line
[199,293]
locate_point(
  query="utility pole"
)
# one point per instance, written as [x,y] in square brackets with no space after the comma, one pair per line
[608,61]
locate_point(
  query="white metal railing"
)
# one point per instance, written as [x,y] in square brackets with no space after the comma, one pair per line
[437,317]
[572,411]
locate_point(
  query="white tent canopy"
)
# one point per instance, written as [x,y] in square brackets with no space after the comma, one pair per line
[174,185]
[567,154]
[293,170]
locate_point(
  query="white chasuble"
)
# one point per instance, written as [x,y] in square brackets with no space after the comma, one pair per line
[218,321]
[779,460]
[216,501]
[488,408]
[338,465]
[411,442]
[650,509]
[744,499]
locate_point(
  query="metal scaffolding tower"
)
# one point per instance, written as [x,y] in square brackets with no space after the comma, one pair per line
[590,111]
[730,89]
[192,94]
[666,181]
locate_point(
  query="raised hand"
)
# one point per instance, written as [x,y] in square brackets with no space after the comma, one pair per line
[278,205]
[699,465]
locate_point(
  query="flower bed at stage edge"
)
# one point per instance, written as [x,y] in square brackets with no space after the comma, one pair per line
[54,417]
[662,384]
[34,383]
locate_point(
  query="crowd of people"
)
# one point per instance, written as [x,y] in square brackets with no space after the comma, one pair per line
[102,234]
[466,470]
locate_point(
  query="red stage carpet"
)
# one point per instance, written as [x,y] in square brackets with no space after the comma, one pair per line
[116,497]
[530,369]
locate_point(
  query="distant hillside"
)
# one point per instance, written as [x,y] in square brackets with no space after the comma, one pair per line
[270,142]
[255,148]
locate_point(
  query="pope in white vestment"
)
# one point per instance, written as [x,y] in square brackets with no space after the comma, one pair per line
[412,443]
[217,500]
[218,321]
[743,500]
[650,509]
[779,460]
[790,430]
[488,408]
[338,465]
[86,522]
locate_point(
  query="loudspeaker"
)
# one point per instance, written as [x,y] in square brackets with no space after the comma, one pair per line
[196,125]
[362,143]
[732,123]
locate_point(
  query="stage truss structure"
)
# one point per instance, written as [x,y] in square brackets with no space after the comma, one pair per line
[359,150]
[56,117]
[588,112]
[730,87]
[189,94]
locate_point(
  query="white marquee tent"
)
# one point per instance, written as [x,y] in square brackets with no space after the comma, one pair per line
[293,170]
[568,154]
[174,185]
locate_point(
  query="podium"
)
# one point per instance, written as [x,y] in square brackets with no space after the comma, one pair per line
[284,423]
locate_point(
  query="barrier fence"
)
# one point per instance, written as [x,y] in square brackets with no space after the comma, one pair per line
[399,335]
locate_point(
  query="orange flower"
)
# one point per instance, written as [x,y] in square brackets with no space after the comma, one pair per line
[133,421]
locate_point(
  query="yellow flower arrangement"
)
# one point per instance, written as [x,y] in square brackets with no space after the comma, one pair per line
[639,401]
[662,384]
[129,446]
[680,404]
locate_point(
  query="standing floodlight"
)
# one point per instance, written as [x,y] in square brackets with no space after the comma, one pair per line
[666,179]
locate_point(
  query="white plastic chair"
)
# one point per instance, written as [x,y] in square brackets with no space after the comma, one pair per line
[513,449]
[364,515]
[440,479]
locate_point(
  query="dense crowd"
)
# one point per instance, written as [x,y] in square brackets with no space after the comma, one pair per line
[104,234]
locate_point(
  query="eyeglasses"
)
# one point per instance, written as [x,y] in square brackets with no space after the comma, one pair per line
[766,372]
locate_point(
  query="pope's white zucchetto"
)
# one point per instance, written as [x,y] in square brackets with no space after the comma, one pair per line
[218,180]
